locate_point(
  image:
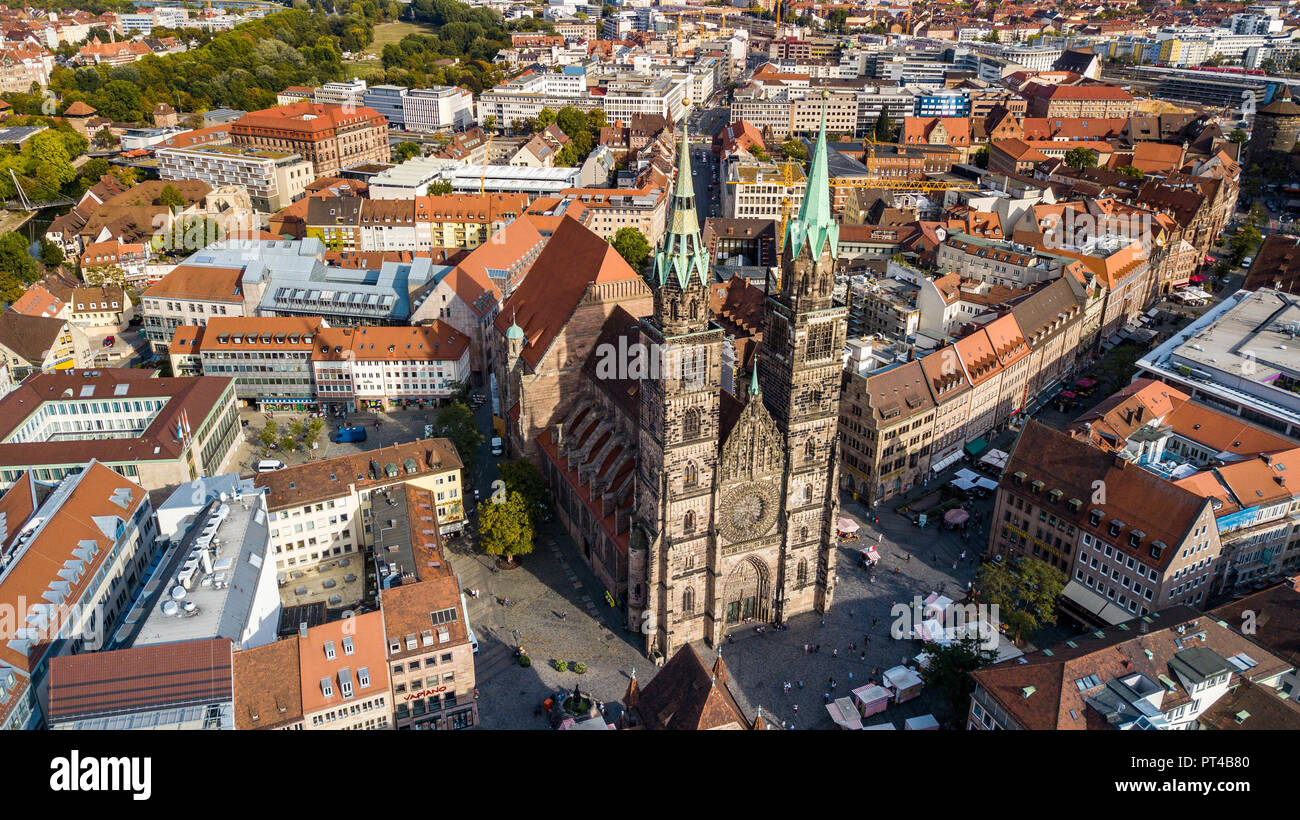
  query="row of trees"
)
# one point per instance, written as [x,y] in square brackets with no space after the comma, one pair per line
[242,68]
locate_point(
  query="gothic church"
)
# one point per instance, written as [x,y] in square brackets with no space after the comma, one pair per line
[701,511]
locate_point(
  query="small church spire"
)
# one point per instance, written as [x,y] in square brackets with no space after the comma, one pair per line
[753,391]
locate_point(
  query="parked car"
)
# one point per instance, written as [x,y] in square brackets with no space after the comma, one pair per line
[109,341]
[268,465]
[498,447]
[428,431]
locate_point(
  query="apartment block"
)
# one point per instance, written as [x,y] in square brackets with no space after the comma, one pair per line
[274,179]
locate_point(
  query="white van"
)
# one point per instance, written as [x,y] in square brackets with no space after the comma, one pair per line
[268,465]
[497,446]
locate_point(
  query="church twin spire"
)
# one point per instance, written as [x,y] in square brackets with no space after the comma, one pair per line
[681,253]
[815,227]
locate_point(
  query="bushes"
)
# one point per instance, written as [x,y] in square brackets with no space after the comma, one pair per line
[561,666]
[525,661]
[580,667]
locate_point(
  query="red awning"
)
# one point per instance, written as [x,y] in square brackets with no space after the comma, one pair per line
[1085,383]
[1198,278]
[1067,394]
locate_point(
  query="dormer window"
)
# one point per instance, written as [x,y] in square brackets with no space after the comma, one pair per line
[1116,526]
[1135,538]
[1094,518]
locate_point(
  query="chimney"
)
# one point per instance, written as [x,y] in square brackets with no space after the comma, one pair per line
[559,436]
[302,629]
[1137,414]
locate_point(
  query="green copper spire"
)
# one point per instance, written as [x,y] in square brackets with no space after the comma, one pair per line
[753,380]
[815,226]
[681,252]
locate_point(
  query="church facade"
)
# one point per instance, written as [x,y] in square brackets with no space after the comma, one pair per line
[701,509]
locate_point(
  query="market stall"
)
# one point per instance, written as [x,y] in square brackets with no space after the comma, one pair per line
[844,713]
[903,682]
[872,699]
[847,529]
[868,556]
[921,722]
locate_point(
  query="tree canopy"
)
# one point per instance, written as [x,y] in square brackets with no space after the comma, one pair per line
[506,528]
[1025,593]
[632,245]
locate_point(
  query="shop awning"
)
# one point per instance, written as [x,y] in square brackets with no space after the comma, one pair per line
[946,462]
[1085,383]
[956,516]
[976,447]
[847,525]
[1100,610]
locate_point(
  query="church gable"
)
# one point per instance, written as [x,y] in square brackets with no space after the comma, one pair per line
[754,446]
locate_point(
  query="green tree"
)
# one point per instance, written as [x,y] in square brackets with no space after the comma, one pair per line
[311,432]
[287,443]
[884,129]
[440,188]
[992,37]
[572,121]
[1025,593]
[632,245]
[1243,243]
[490,123]
[794,149]
[109,274]
[522,476]
[1238,136]
[105,138]
[170,197]
[51,254]
[456,422]
[544,118]
[505,528]
[14,258]
[1081,158]
[948,670]
[269,435]
[406,150]
[981,157]
[1130,171]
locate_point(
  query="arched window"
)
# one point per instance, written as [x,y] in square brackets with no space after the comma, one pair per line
[802,573]
[688,601]
[689,475]
[803,284]
[803,533]
[695,309]
[810,450]
[691,423]
[674,311]
[688,523]
[807,493]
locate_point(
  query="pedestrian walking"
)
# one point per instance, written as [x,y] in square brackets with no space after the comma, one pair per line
[963,555]
[835,653]
[909,557]
[796,708]
[873,620]
[864,657]
[850,679]
[800,686]
[823,622]
[827,695]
